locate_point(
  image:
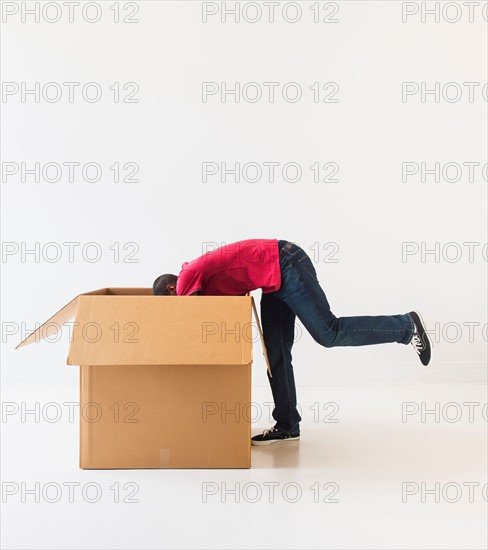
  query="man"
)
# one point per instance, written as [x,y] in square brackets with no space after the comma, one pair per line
[290,289]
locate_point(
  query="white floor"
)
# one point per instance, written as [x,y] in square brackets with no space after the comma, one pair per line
[359,478]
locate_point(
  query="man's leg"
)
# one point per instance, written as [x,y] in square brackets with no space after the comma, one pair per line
[301,291]
[278,322]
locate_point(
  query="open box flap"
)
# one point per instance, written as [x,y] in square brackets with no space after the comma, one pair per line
[162,330]
[54,324]
[261,337]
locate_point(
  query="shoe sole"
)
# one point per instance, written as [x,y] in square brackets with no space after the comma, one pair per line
[271,441]
[426,336]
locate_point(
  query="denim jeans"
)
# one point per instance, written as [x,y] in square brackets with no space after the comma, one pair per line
[301,295]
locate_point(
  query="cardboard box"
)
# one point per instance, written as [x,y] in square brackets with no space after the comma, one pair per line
[165,381]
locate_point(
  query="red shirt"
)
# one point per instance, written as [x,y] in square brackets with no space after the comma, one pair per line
[233,269]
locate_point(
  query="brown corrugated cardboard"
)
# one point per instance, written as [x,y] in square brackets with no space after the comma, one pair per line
[166,416]
[165,381]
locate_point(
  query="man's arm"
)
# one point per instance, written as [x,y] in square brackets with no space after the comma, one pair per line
[197,293]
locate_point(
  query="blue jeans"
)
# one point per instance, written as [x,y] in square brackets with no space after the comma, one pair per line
[301,295]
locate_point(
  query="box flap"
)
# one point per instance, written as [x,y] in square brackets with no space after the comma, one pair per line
[54,323]
[162,330]
[261,337]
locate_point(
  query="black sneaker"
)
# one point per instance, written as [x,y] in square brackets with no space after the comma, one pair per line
[274,435]
[420,339]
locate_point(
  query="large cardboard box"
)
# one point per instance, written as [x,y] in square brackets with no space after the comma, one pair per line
[165,381]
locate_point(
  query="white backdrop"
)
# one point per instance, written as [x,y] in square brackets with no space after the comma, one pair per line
[167,128]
